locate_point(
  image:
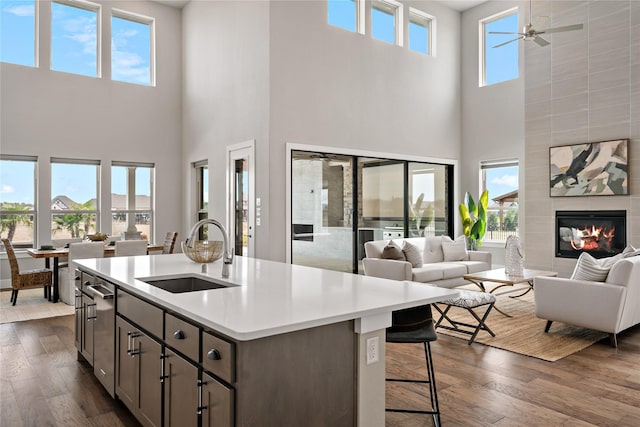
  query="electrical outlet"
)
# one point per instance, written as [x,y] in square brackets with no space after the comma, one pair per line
[373,350]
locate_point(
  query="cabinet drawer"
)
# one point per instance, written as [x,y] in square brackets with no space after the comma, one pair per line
[182,335]
[142,313]
[218,357]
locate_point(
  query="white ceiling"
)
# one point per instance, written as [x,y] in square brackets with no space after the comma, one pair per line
[459,5]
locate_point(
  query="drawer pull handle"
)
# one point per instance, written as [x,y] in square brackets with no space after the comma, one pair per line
[179,335]
[214,354]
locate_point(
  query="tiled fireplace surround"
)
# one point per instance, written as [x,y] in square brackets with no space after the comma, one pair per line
[584,87]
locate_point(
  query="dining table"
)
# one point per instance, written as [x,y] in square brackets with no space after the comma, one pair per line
[57,253]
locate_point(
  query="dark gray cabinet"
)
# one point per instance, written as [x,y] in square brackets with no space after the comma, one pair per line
[217,403]
[180,391]
[138,371]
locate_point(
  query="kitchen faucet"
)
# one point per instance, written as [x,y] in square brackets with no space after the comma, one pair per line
[227,255]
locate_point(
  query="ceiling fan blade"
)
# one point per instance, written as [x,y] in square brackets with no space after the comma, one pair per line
[561,29]
[510,41]
[540,41]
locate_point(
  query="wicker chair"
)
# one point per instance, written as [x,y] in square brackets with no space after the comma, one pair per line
[169,242]
[26,279]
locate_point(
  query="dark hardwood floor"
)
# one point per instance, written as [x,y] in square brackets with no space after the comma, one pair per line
[42,383]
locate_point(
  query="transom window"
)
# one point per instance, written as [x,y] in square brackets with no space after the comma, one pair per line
[499,52]
[132,200]
[18,32]
[421,32]
[18,213]
[75,45]
[132,48]
[386,21]
[74,192]
[500,178]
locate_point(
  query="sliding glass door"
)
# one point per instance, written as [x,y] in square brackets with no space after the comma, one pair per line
[393,199]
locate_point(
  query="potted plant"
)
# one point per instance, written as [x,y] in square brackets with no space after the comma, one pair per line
[474,219]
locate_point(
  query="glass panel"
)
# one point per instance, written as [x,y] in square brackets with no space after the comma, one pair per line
[130,51]
[17,201]
[241,232]
[383,26]
[501,63]
[419,37]
[502,215]
[428,207]
[141,211]
[74,188]
[18,32]
[342,13]
[321,210]
[74,40]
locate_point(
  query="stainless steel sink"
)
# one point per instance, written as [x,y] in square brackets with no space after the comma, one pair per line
[191,283]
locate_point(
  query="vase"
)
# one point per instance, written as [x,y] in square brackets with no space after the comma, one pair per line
[472,244]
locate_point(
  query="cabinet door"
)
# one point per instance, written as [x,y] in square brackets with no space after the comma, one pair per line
[180,391]
[89,316]
[126,366]
[148,354]
[79,320]
[217,403]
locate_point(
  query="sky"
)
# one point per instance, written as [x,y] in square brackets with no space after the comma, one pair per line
[501,181]
[74,41]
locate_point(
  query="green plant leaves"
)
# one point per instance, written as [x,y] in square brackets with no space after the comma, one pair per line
[474,216]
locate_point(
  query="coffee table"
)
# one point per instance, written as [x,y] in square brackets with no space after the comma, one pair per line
[499,275]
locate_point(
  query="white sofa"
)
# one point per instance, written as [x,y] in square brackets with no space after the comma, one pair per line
[610,306]
[435,270]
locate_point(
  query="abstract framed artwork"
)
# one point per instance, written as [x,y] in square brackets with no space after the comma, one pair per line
[589,169]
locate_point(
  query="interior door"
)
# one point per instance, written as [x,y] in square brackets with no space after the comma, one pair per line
[241,211]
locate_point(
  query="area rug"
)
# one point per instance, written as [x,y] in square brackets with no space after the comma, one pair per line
[30,305]
[524,332]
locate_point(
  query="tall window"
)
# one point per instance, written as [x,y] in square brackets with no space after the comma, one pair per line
[74,191]
[18,32]
[386,21]
[132,48]
[74,37]
[18,199]
[132,200]
[499,52]
[501,179]
[421,31]
[202,196]
[346,14]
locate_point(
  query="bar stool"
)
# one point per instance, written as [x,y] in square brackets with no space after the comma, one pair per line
[411,326]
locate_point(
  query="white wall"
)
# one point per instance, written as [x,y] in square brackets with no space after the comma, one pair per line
[52,114]
[333,88]
[226,99]
[492,116]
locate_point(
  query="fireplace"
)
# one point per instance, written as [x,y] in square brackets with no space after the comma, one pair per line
[600,233]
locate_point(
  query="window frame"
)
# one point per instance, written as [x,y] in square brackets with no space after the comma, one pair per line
[89,6]
[136,211]
[96,211]
[496,164]
[202,210]
[34,212]
[427,21]
[140,19]
[483,44]
[396,9]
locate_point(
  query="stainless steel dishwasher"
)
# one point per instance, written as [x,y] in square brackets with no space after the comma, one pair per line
[103,294]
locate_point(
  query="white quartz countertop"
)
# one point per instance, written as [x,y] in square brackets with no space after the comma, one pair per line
[268,298]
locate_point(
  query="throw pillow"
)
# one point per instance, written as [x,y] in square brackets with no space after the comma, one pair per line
[412,254]
[454,250]
[393,251]
[590,269]
[630,251]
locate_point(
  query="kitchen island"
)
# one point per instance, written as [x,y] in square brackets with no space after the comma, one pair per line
[292,338]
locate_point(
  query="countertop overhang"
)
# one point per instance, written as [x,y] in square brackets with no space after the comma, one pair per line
[269,298]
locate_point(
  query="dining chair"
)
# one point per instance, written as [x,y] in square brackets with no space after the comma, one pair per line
[169,242]
[61,243]
[67,275]
[26,279]
[131,247]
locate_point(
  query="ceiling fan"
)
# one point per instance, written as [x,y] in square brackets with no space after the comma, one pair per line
[530,33]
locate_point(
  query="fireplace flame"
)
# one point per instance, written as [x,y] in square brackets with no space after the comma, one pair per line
[592,238]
